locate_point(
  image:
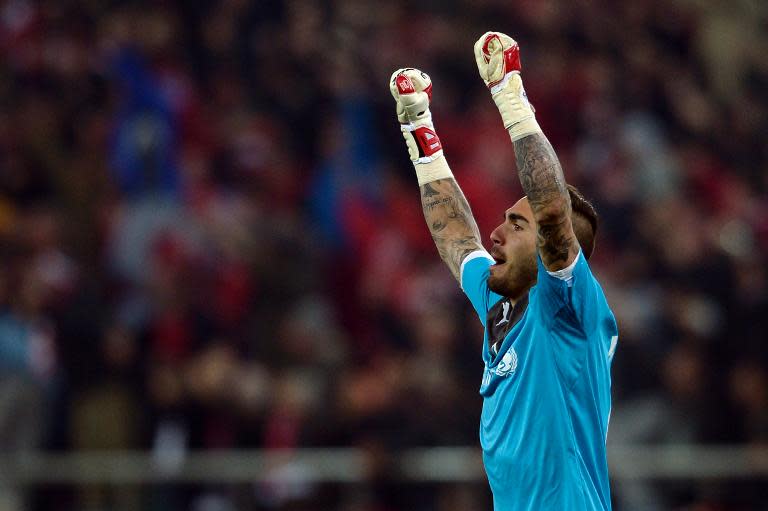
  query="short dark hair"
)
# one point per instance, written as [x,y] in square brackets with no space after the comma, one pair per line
[584,220]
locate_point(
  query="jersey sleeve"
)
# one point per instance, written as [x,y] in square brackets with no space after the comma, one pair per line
[474,282]
[574,288]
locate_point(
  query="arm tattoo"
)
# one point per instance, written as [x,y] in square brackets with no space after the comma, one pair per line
[543,183]
[450,221]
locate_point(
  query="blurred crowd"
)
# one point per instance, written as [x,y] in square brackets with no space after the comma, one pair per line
[211,235]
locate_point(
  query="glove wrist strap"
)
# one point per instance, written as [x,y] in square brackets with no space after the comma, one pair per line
[426,151]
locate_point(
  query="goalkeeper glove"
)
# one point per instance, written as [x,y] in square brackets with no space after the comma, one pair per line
[498,61]
[412,90]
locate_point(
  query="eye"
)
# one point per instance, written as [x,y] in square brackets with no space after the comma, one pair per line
[517,227]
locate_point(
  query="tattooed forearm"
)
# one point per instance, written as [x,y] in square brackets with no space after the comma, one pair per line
[540,172]
[450,221]
[543,183]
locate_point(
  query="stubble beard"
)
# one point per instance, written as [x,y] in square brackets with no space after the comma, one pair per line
[515,280]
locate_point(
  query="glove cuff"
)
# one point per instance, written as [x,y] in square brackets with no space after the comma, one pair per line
[425,150]
[516,112]
[433,170]
[421,139]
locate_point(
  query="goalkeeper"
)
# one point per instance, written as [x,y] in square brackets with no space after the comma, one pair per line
[549,333]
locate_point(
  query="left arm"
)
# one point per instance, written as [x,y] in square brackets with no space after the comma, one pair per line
[498,60]
[541,177]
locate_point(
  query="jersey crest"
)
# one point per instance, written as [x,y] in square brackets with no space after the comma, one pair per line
[508,363]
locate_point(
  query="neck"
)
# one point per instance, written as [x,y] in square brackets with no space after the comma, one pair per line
[518,295]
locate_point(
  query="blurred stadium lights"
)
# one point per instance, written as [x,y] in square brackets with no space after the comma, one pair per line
[307,466]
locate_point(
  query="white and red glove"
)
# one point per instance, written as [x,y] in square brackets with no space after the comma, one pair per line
[412,90]
[498,61]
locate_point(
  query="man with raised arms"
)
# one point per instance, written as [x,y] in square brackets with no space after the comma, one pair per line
[549,333]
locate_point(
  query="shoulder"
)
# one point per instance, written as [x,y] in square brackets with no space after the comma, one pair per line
[473,279]
[574,288]
[474,263]
[577,274]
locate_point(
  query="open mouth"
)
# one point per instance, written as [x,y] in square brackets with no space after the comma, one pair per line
[498,260]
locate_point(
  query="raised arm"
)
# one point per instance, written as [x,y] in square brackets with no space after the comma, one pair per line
[450,222]
[540,173]
[543,183]
[446,210]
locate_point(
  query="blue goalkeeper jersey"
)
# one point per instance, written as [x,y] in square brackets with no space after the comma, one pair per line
[546,388]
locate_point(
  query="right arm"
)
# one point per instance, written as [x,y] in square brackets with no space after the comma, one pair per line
[445,208]
[450,222]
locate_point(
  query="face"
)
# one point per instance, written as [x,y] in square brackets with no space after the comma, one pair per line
[514,249]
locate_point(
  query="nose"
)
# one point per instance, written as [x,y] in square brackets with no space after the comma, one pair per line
[496,236]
